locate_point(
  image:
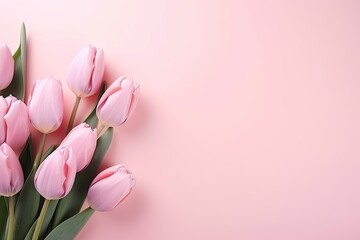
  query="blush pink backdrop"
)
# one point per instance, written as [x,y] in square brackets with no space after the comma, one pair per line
[248,126]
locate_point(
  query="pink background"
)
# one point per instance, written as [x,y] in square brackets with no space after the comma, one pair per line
[248,126]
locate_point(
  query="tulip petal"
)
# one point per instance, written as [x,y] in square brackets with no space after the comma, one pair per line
[17,125]
[115,180]
[134,100]
[3,110]
[81,70]
[82,139]
[6,66]
[120,187]
[69,172]
[107,173]
[46,105]
[56,175]
[114,87]
[112,116]
[119,100]
[49,178]
[5,175]
[98,72]
[12,178]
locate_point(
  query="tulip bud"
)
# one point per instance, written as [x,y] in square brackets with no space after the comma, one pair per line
[86,71]
[118,102]
[82,141]
[14,123]
[6,67]
[46,105]
[55,176]
[110,188]
[12,176]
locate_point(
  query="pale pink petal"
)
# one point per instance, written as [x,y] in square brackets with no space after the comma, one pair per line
[5,175]
[6,66]
[110,188]
[50,177]
[17,122]
[107,173]
[46,105]
[114,87]
[115,109]
[134,100]
[56,175]
[79,77]
[3,111]
[12,177]
[69,172]
[82,139]
[98,73]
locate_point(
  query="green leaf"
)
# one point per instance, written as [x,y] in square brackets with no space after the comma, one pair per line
[49,214]
[72,203]
[17,85]
[71,227]
[3,217]
[27,207]
[26,159]
[92,119]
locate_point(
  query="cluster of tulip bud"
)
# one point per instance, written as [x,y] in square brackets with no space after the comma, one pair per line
[55,175]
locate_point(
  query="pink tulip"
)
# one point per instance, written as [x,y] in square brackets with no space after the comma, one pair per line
[110,188]
[12,177]
[86,71]
[14,123]
[46,105]
[118,102]
[82,140]
[6,66]
[55,176]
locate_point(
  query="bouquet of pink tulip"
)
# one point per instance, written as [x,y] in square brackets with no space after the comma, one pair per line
[41,197]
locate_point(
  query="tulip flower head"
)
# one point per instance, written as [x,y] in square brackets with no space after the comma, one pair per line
[6,67]
[118,102]
[86,71]
[12,176]
[82,141]
[55,176]
[46,105]
[14,123]
[110,188]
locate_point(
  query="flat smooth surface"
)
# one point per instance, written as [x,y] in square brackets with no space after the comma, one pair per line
[248,126]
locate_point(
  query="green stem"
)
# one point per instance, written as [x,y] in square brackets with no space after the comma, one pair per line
[89,209]
[41,219]
[73,114]
[99,130]
[40,152]
[10,232]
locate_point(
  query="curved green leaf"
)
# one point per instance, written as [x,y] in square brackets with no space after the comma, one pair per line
[26,159]
[72,203]
[17,85]
[27,207]
[71,227]
[49,214]
[3,217]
